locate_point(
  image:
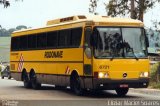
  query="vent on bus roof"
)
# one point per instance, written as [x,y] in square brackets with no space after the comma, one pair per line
[105,16]
[66,19]
[82,17]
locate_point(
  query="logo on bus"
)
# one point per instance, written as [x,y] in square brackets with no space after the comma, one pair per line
[124,75]
[53,54]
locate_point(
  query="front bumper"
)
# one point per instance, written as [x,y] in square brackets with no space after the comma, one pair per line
[110,84]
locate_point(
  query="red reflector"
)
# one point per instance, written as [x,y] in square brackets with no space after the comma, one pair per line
[95,74]
[123,86]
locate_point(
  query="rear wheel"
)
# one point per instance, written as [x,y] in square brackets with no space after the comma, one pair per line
[26,81]
[122,91]
[9,77]
[76,85]
[2,77]
[34,82]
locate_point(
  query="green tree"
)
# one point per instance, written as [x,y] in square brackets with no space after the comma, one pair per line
[6,3]
[21,27]
[123,7]
[7,32]
[93,6]
[136,8]
[11,30]
[4,32]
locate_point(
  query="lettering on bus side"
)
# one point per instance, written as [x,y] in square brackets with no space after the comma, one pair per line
[104,67]
[53,54]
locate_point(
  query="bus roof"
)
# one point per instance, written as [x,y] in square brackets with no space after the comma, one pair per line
[95,19]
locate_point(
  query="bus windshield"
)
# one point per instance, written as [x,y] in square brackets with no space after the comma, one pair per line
[119,42]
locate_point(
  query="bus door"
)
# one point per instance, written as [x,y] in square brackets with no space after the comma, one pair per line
[87,59]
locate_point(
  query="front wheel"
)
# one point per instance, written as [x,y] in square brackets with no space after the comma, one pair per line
[122,91]
[75,85]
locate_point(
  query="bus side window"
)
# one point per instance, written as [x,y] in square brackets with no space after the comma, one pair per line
[87,46]
[15,42]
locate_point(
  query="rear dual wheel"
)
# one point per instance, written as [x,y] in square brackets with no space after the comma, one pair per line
[34,82]
[9,77]
[26,81]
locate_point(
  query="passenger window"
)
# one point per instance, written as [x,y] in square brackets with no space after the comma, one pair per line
[41,40]
[15,43]
[76,37]
[23,43]
[52,39]
[32,41]
[64,38]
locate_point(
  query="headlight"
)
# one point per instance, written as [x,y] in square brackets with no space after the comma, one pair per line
[144,74]
[106,75]
[103,75]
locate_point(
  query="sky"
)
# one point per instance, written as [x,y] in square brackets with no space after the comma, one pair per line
[35,13]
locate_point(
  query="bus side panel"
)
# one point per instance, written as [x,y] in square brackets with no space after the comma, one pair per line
[14,73]
[65,70]
[49,70]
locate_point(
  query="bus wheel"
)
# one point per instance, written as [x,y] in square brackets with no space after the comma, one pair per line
[26,81]
[122,91]
[35,84]
[9,77]
[2,77]
[75,85]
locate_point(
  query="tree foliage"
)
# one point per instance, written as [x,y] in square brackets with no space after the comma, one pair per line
[123,7]
[93,6]
[6,3]
[7,32]
[21,27]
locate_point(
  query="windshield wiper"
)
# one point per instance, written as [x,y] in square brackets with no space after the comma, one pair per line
[134,54]
[112,57]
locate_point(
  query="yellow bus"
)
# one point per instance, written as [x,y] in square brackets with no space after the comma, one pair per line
[83,52]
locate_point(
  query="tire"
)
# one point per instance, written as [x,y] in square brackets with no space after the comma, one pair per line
[2,77]
[76,85]
[35,84]
[26,81]
[9,77]
[122,91]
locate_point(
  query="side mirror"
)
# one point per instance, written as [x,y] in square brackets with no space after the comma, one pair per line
[146,39]
[93,40]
